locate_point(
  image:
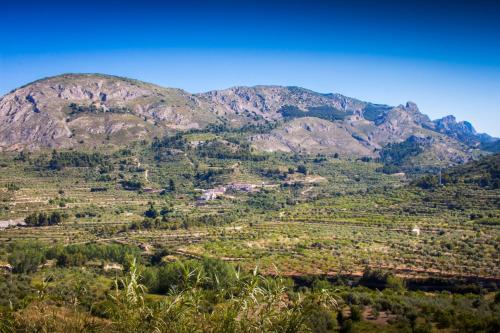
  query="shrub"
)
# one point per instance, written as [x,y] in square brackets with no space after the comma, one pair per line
[131,185]
[151,212]
[25,257]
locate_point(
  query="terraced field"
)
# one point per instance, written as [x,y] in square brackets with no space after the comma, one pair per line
[318,224]
[345,217]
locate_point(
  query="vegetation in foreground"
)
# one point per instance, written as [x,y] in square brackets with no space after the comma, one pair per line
[213,296]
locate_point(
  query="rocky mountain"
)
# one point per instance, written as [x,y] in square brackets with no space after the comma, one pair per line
[81,110]
[463,131]
[244,104]
[70,110]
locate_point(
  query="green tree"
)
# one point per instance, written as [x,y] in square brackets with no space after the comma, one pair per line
[302,169]
[171,185]
[151,212]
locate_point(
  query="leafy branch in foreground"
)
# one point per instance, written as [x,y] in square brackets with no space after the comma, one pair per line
[253,303]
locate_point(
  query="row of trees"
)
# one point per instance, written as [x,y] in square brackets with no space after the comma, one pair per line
[60,160]
[44,219]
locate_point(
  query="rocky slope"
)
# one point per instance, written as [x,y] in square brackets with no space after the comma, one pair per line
[244,104]
[71,110]
[80,110]
[313,135]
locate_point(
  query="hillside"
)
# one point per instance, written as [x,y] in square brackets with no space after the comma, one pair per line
[484,173]
[86,110]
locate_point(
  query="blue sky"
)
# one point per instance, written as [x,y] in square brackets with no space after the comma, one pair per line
[444,55]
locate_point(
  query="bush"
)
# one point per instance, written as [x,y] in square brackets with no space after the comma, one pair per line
[12,187]
[25,257]
[177,276]
[321,320]
[151,212]
[381,280]
[219,274]
[131,185]
[302,169]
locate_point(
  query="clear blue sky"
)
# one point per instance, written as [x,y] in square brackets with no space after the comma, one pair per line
[444,55]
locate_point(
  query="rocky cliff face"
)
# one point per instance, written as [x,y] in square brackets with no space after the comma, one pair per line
[77,110]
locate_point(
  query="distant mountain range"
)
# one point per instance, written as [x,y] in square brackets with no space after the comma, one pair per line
[85,110]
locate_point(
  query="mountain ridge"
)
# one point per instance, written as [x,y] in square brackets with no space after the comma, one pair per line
[73,110]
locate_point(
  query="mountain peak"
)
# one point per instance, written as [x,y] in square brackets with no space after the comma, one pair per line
[411,106]
[449,119]
[450,123]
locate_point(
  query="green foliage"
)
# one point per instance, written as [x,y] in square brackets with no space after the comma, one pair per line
[323,112]
[342,219]
[224,151]
[210,177]
[44,219]
[321,320]
[346,327]
[355,313]
[168,142]
[171,185]
[484,173]
[23,156]
[218,275]
[151,212]
[389,169]
[399,153]
[251,303]
[92,108]
[12,187]
[60,160]
[78,255]
[132,185]
[26,257]
[13,291]
[266,200]
[375,278]
[178,276]
[302,169]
